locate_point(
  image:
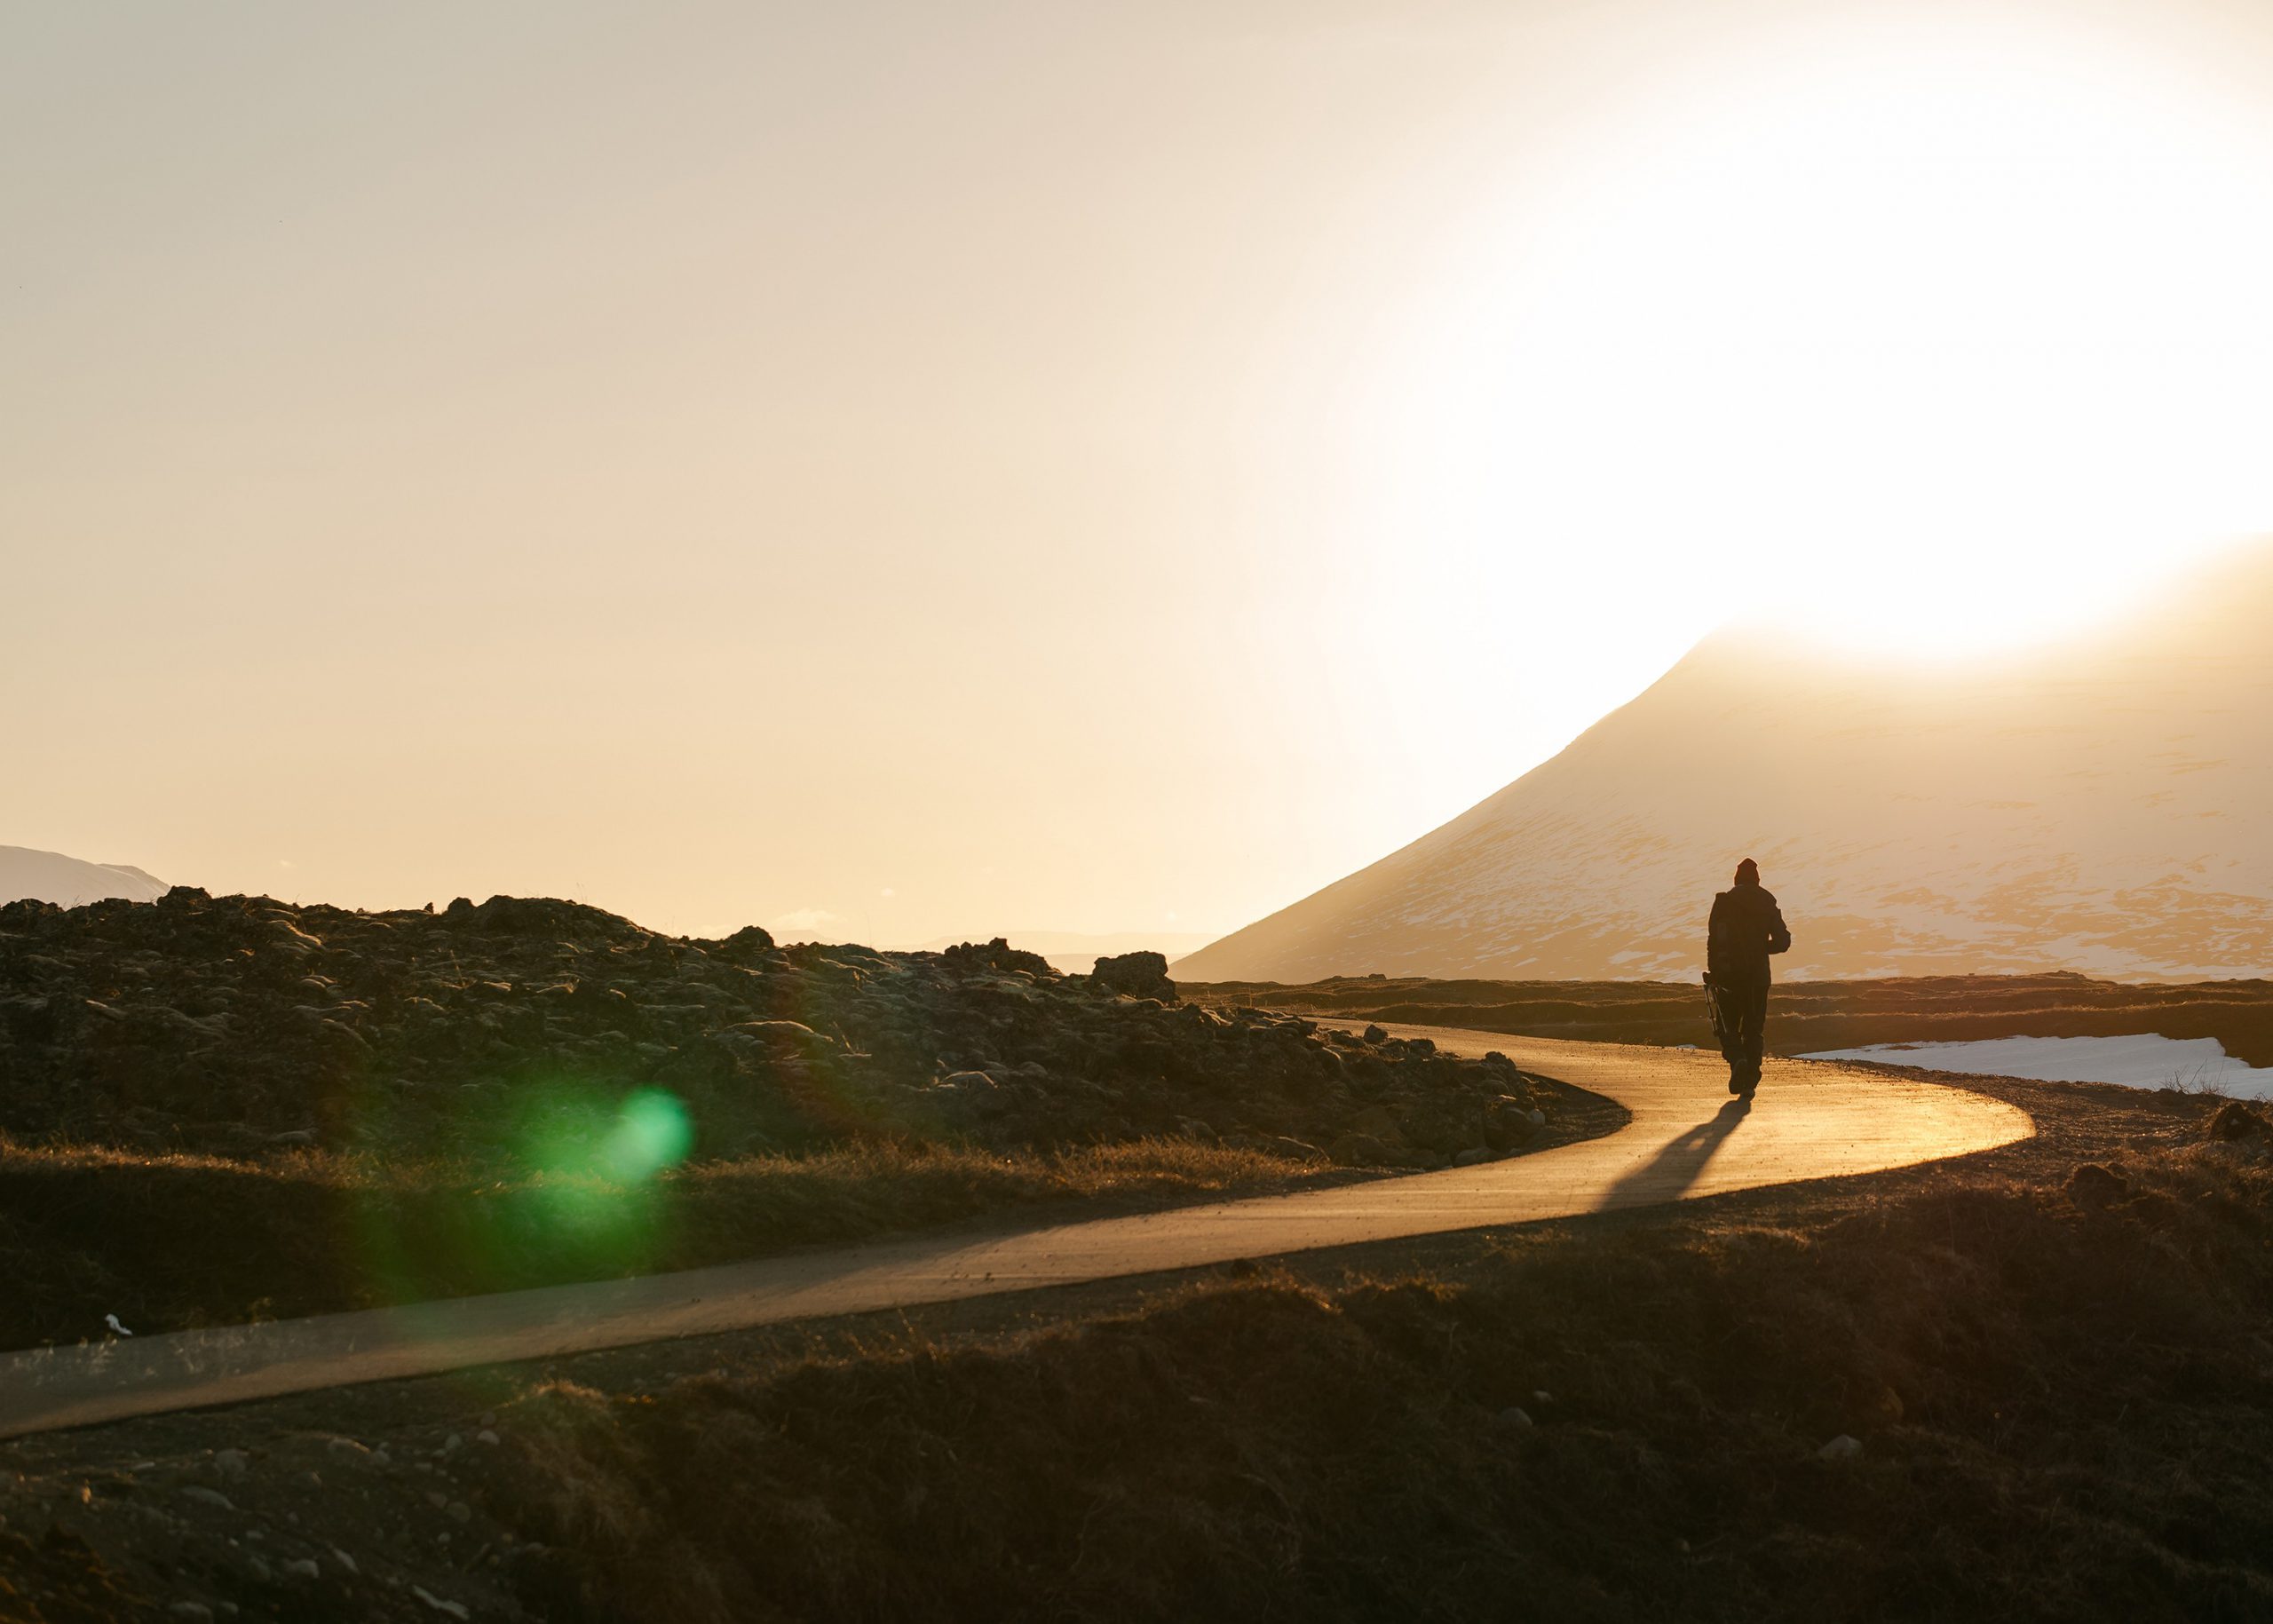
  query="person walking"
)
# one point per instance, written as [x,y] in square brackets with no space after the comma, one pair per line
[1747,927]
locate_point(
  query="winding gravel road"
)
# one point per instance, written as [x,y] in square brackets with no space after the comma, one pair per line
[1687,1139]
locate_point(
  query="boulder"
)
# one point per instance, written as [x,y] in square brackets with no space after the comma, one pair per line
[2234,1121]
[2093,1187]
[1140,975]
[1376,1034]
[1357,1150]
[1377,1122]
[745,944]
[550,915]
[997,955]
[1509,1123]
[30,1021]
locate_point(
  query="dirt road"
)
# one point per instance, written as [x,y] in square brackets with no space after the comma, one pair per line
[1687,1139]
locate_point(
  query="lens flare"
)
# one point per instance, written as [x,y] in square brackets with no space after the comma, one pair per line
[652,1132]
[571,1178]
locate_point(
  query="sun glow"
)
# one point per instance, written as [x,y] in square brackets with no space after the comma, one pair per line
[1932,343]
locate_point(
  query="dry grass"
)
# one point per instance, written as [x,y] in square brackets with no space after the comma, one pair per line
[2056,1355]
[168,1241]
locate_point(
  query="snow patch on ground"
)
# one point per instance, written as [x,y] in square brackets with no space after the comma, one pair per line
[2142,1060]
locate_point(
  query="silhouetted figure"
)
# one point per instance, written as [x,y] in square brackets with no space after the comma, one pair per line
[1747,927]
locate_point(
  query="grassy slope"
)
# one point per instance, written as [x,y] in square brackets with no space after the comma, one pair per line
[172,1241]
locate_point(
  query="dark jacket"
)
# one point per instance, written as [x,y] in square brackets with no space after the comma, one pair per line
[1747,927]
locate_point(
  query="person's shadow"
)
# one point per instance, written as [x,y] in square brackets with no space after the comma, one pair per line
[1668,1175]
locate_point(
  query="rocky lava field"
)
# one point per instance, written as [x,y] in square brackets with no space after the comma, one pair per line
[224,1025]
[213,1108]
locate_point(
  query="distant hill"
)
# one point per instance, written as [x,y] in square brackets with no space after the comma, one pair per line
[1074,952]
[50,876]
[2104,806]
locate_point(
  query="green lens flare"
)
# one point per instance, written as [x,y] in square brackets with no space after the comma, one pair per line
[652,1132]
[570,1185]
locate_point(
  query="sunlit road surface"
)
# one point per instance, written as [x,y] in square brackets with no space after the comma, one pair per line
[1687,1139]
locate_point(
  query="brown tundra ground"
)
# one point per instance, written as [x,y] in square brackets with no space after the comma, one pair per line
[2052,1361]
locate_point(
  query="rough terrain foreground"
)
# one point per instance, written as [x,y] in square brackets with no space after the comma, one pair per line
[2104,805]
[215,1110]
[1687,1139]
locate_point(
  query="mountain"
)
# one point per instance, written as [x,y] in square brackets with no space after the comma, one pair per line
[2104,805]
[50,876]
[1074,952]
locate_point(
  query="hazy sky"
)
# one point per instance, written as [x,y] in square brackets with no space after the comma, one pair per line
[896,470]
